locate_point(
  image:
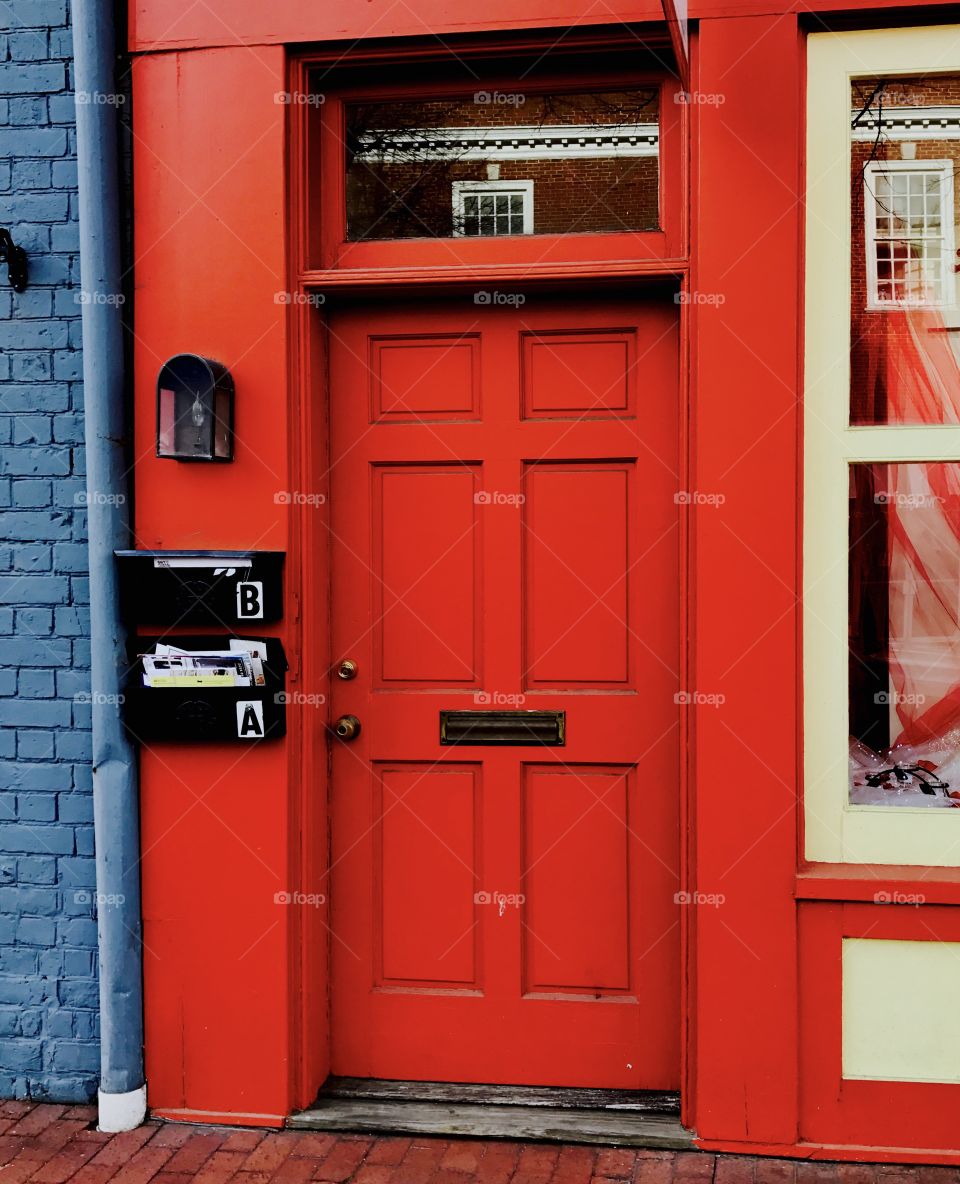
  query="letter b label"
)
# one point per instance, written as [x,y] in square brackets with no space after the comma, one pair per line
[249,599]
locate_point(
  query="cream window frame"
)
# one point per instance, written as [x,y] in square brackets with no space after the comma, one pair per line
[835,831]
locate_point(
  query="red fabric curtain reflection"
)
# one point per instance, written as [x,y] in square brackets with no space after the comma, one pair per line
[905,580]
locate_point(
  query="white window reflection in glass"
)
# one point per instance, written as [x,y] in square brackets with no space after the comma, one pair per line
[492,208]
[908,211]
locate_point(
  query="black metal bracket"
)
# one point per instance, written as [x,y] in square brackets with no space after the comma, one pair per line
[16,260]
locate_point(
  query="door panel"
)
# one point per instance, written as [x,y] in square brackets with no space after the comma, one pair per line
[425,574]
[504,537]
[576,863]
[427,830]
[577,375]
[576,538]
[418,379]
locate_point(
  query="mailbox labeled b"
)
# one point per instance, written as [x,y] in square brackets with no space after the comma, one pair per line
[218,588]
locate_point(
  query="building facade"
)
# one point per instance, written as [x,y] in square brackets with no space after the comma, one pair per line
[48,986]
[540,596]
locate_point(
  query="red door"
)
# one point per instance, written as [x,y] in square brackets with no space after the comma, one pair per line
[505,538]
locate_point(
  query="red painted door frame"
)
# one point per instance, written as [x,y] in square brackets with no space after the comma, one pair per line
[665,259]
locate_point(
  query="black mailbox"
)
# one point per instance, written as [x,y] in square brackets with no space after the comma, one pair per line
[224,589]
[205,713]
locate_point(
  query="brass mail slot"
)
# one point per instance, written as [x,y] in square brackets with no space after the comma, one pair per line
[486,728]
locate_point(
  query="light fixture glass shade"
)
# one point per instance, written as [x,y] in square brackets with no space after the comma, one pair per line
[194,410]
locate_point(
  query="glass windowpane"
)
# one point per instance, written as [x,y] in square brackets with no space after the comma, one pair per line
[904,630]
[596,154]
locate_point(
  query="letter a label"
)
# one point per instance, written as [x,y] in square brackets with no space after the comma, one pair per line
[250,719]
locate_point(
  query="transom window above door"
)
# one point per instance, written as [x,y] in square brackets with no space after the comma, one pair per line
[497,163]
[438,166]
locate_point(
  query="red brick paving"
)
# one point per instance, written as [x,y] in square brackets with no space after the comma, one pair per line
[46,1144]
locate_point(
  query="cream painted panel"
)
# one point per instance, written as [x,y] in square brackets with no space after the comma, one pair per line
[893,1031]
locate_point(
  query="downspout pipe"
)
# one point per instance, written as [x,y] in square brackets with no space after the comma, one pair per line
[122,1089]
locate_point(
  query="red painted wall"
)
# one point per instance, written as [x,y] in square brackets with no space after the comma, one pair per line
[744,429]
[209,168]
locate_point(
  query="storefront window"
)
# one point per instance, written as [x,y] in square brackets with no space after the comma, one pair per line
[904,520]
[503,163]
[881,535]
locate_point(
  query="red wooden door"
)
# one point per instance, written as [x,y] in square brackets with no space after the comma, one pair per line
[505,537]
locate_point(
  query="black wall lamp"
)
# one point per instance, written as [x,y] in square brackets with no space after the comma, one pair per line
[16,260]
[194,409]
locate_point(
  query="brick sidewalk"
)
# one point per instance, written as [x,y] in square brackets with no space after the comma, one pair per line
[48,1144]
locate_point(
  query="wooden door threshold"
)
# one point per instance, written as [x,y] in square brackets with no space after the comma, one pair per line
[617,1117]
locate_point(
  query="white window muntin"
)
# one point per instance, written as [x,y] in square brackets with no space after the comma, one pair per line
[932,233]
[465,190]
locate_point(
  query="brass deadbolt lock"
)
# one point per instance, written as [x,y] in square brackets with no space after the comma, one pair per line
[347,727]
[347,669]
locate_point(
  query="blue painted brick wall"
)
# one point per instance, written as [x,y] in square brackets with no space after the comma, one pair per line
[48,988]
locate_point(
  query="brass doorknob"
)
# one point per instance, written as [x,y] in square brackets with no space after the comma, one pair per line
[347,669]
[347,727]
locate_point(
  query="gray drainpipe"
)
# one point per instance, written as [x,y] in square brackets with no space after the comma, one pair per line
[123,1093]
